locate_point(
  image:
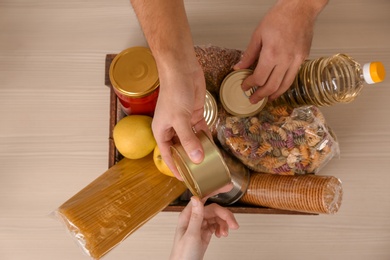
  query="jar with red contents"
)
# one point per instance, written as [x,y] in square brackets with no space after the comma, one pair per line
[134,77]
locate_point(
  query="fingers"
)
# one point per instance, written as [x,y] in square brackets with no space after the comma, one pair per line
[184,217]
[219,227]
[222,214]
[250,55]
[190,142]
[196,218]
[287,80]
[266,79]
[272,77]
[260,75]
[186,136]
[164,142]
[216,219]
[166,155]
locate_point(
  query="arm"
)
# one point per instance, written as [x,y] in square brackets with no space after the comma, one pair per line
[280,43]
[182,84]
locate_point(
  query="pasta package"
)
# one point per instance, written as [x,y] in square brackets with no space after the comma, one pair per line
[279,140]
[116,204]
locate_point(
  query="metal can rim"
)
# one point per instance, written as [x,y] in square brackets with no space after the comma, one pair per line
[240,175]
[210,109]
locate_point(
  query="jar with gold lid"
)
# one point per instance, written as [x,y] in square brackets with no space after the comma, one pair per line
[134,78]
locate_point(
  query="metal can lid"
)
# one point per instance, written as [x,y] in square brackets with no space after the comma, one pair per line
[234,99]
[206,177]
[210,112]
[133,72]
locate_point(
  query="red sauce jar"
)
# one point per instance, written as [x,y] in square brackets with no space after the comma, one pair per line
[134,77]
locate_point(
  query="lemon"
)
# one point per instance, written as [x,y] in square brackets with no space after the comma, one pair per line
[160,163]
[133,136]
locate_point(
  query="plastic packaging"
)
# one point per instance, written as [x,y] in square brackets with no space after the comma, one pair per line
[116,204]
[329,80]
[279,140]
[304,193]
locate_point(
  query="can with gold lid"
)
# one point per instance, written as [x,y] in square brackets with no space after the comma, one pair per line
[206,177]
[134,77]
[240,178]
[234,100]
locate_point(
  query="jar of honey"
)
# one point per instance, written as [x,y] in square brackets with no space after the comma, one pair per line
[134,78]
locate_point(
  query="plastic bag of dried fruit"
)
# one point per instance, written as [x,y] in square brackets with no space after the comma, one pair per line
[279,139]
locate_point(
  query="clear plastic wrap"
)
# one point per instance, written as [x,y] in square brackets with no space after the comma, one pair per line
[304,193]
[116,204]
[279,140]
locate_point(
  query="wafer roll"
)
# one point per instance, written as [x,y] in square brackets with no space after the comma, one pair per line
[304,193]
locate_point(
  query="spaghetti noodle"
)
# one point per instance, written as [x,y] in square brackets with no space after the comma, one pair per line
[117,203]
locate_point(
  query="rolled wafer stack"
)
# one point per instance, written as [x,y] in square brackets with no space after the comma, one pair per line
[304,193]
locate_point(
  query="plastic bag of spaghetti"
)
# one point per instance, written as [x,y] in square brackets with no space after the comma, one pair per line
[279,140]
[113,206]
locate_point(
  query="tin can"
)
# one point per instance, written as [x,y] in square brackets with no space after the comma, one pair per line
[134,77]
[240,178]
[236,101]
[206,177]
[210,112]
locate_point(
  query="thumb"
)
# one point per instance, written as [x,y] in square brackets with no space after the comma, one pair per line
[190,143]
[196,219]
[250,55]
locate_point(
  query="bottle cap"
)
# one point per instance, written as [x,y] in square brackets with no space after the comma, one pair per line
[374,72]
[133,72]
[234,99]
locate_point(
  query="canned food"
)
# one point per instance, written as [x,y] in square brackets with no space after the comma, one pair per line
[240,178]
[206,177]
[134,77]
[210,113]
[234,99]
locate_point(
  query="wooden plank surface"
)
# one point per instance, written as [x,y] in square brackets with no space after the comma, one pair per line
[54,129]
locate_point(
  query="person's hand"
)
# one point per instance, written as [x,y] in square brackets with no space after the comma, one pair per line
[180,104]
[196,226]
[179,109]
[280,43]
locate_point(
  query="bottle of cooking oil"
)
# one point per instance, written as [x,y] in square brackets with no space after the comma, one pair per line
[330,80]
